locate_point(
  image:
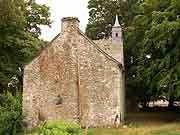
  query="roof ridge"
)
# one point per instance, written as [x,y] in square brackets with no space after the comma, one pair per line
[98,48]
[91,41]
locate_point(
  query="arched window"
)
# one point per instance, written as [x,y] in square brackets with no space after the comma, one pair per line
[116,34]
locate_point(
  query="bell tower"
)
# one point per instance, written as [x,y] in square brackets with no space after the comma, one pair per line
[117,41]
[117,33]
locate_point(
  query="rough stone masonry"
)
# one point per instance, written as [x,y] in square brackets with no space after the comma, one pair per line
[75,79]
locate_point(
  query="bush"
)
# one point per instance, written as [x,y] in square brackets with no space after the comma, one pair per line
[10,114]
[60,128]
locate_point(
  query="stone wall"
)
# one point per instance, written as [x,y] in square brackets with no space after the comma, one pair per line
[99,85]
[56,79]
[31,90]
[72,80]
[115,50]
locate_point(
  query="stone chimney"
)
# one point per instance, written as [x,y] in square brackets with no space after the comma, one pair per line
[69,22]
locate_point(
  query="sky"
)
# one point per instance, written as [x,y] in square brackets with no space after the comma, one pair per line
[64,8]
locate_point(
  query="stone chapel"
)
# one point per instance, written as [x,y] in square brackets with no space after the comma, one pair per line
[76,79]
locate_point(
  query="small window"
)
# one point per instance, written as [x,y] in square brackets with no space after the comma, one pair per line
[116,34]
[59,100]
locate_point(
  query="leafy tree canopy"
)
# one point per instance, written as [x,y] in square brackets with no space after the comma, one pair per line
[160,46]
[20,23]
[102,16]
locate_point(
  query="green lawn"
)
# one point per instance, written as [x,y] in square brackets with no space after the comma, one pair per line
[136,129]
[157,129]
[142,124]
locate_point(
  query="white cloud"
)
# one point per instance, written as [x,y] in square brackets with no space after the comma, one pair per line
[64,8]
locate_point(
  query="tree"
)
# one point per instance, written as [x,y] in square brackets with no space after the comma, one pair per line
[19,31]
[11,118]
[158,63]
[36,15]
[102,16]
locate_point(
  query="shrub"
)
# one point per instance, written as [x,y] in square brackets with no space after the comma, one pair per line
[60,128]
[10,114]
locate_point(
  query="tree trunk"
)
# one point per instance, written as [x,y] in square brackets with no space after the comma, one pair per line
[171,96]
[171,101]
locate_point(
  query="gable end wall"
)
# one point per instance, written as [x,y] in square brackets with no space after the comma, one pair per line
[74,70]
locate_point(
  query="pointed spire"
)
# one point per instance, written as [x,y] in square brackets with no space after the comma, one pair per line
[117,22]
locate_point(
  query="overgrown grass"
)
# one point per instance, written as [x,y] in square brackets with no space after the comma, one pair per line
[166,133]
[133,129]
[141,124]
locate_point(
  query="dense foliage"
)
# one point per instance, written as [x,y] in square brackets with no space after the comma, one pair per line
[102,15]
[151,31]
[10,114]
[159,57]
[60,128]
[19,38]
